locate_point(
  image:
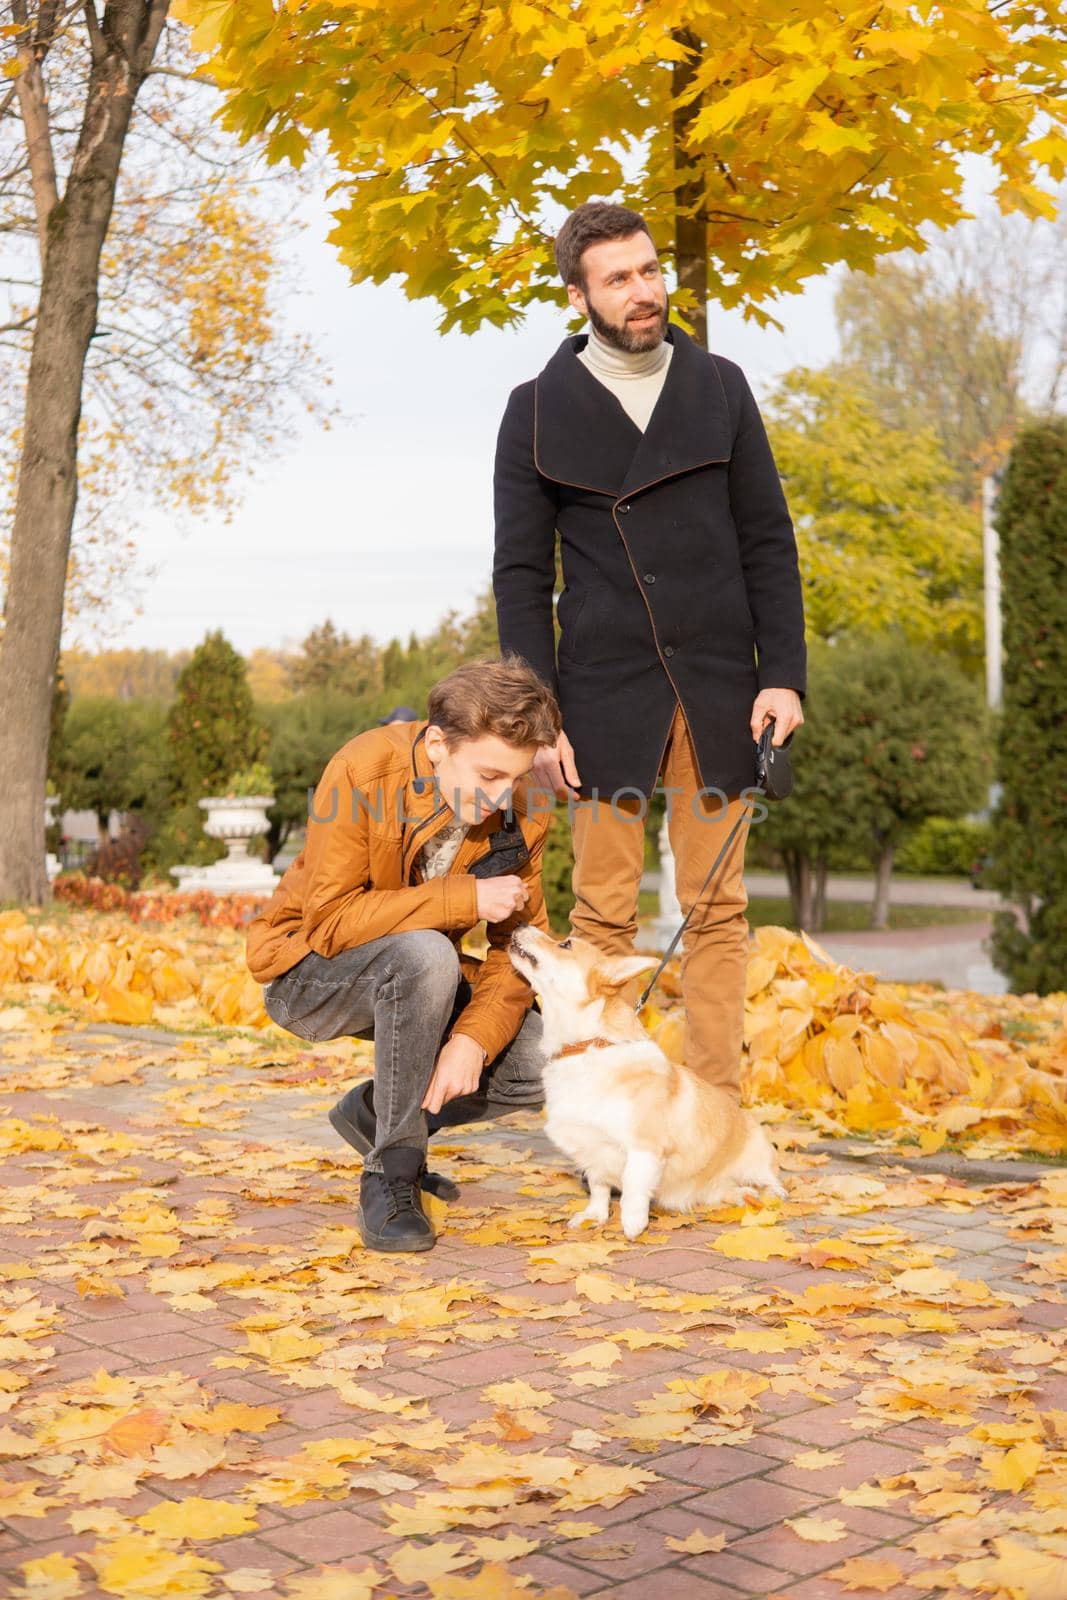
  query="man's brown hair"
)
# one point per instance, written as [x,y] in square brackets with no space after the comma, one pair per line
[502,695]
[589,224]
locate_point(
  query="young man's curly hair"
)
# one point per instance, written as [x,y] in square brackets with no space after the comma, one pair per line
[503,696]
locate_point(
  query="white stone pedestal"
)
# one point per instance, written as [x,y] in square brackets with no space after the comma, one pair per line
[670,912]
[236,820]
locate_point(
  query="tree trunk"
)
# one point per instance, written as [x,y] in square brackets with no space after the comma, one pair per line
[122,45]
[883,879]
[798,875]
[818,905]
[690,217]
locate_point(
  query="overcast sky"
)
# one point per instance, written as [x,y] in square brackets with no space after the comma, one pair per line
[385,521]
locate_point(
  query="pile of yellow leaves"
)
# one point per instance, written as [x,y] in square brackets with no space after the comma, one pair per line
[117,971]
[849,1052]
[886,1058]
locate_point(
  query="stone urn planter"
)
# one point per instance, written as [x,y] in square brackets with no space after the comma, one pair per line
[236,819]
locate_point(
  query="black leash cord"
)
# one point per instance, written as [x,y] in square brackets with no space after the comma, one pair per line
[719,860]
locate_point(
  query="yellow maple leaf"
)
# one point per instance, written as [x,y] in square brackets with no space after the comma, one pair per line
[509,1548]
[333,1583]
[197,1518]
[756,1244]
[284,1344]
[256,1580]
[598,1356]
[868,1572]
[135,1564]
[696,1543]
[51,1577]
[817,1530]
[99,1288]
[414,1563]
[1013,1469]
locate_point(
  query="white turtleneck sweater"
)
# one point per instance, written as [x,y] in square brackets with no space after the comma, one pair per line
[635,378]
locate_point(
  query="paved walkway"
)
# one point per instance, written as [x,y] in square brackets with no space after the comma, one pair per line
[191,1319]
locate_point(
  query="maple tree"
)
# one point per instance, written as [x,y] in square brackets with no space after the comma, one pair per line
[883,540]
[763,143]
[144,361]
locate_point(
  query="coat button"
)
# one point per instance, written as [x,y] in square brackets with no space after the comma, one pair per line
[625,506]
[650,577]
[668,649]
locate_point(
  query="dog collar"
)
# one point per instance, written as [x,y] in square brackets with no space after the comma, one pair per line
[583,1044]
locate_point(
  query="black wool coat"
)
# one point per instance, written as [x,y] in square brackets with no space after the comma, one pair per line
[679,564]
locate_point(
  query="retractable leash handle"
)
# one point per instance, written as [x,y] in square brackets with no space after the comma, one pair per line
[774,780]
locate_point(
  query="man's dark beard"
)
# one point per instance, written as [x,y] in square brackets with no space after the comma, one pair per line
[623,338]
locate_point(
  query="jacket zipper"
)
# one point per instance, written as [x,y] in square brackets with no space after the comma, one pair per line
[418,829]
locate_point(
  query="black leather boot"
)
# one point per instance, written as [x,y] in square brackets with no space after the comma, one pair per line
[354,1119]
[390,1203]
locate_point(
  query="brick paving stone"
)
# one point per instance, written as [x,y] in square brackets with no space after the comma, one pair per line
[549,1572]
[711,1465]
[673,1583]
[250,1551]
[327,1537]
[492,1364]
[781,1548]
[708,1280]
[656,1498]
[659,1266]
[861,1459]
[649,1553]
[825,1427]
[751,1577]
[754,1503]
[157,1351]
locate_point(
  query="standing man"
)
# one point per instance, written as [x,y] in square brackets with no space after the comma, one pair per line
[681,618]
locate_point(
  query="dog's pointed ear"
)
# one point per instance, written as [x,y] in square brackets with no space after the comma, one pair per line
[623,968]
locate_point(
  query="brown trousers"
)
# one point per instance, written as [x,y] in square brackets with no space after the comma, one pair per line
[609,859]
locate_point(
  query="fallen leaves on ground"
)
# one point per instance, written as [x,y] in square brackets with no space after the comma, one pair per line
[517,1396]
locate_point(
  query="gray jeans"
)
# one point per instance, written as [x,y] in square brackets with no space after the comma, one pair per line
[404,991]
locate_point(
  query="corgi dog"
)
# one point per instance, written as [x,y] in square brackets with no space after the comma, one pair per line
[618,1106]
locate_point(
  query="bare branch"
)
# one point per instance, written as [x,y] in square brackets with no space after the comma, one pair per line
[97,44]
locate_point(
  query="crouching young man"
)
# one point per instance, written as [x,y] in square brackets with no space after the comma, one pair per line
[417,832]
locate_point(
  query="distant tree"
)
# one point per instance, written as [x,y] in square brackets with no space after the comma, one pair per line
[969,338]
[270,675]
[331,662]
[1029,837]
[884,543]
[896,734]
[305,731]
[212,726]
[112,756]
[123,674]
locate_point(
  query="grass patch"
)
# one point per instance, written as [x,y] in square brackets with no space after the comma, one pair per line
[842,916]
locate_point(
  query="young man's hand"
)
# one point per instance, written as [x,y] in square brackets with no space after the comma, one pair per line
[458,1070]
[554,771]
[499,897]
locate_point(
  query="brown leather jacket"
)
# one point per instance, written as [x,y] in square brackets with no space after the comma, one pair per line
[356,879]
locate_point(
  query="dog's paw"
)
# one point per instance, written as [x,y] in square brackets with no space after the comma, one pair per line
[598,1214]
[634,1222]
